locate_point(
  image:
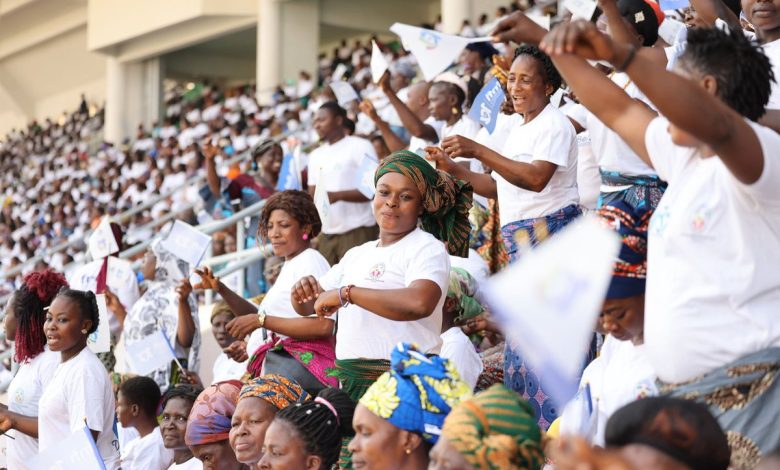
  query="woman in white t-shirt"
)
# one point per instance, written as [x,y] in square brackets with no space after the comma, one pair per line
[80,392]
[393,289]
[282,342]
[713,287]
[176,405]
[535,181]
[24,318]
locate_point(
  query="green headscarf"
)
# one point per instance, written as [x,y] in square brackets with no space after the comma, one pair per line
[463,288]
[446,200]
[496,430]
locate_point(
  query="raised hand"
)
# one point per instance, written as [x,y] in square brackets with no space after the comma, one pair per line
[237,351]
[306,290]
[184,289]
[207,279]
[327,303]
[367,108]
[442,161]
[581,38]
[456,146]
[518,28]
[243,326]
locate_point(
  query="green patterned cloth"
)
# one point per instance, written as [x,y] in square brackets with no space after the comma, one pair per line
[496,430]
[446,200]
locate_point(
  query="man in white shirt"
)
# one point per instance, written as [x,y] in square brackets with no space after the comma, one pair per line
[336,166]
[136,407]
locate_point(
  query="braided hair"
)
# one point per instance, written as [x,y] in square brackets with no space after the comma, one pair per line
[28,306]
[319,428]
[87,304]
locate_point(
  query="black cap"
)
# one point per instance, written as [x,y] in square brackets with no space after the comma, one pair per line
[642,17]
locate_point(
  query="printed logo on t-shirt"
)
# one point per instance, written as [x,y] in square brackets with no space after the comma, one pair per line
[19,396]
[376,272]
[659,220]
[702,217]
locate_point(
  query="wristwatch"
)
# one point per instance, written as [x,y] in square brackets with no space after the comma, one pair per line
[261,317]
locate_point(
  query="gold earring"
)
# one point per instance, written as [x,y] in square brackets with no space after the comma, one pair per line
[454,110]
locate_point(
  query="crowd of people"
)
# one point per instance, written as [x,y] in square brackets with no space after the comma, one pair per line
[363,339]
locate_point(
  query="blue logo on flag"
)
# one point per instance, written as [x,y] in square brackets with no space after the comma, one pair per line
[487,105]
[288,179]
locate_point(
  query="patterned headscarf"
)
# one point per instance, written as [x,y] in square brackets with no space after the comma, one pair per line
[417,393]
[446,200]
[463,288]
[629,274]
[275,389]
[496,430]
[211,414]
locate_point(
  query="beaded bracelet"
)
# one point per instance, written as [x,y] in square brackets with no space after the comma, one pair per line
[347,294]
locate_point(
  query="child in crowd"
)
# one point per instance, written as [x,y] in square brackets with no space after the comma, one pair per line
[136,407]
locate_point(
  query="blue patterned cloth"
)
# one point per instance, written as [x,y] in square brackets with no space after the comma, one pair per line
[417,393]
[628,212]
[519,238]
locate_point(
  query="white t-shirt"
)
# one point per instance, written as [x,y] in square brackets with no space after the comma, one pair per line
[226,368]
[713,283]
[362,334]
[191,464]
[772,50]
[548,137]
[147,453]
[338,164]
[277,301]
[457,347]
[612,153]
[417,145]
[619,376]
[79,389]
[24,393]
[120,279]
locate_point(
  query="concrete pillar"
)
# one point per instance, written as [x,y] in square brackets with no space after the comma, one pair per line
[114,122]
[288,39]
[133,97]
[453,12]
[269,51]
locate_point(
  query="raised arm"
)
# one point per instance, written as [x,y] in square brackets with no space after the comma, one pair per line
[411,303]
[708,11]
[238,305]
[394,143]
[607,101]
[532,176]
[410,120]
[209,152]
[185,327]
[618,28]
[688,105]
[483,184]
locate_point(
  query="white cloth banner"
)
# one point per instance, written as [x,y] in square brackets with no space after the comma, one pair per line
[433,50]
[149,354]
[548,302]
[76,452]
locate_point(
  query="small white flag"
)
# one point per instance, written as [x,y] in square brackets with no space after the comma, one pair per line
[433,50]
[321,201]
[344,92]
[548,302]
[543,21]
[580,9]
[102,242]
[77,451]
[378,63]
[186,243]
[365,176]
[149,354]
[100,340]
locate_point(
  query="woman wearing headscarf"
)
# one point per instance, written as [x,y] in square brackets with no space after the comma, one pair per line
[459,306]
[168,306]
[400,416]
[258,403]
[393,287]
[208,426]
[493,430]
